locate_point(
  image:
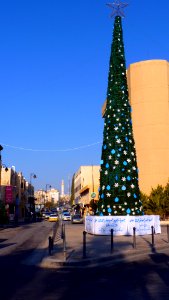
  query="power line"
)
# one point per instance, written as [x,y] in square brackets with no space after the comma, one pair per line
[51,150]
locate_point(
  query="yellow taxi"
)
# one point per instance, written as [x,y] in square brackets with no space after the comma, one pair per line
[53,217]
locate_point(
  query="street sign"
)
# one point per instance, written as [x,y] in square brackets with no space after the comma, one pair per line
[93,195]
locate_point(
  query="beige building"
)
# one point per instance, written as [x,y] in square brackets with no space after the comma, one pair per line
[14,191]
[148,83]
[86,184]
[51,195]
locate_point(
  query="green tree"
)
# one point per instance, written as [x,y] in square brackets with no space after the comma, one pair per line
[156,198]
[144,200]
[157,202]
[119,191]
[166,192]
[152,207]
[49,205]
[165,201]
[93,205]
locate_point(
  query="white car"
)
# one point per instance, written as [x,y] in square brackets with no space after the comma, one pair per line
[66,216]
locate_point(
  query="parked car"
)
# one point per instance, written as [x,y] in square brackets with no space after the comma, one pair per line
[53,217]
[46,215]
[77,219]
[66,216]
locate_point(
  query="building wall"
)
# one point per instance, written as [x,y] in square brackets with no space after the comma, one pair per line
[40,196]
[149,96]
[77,185]
[53,196]
[6,176]
[148,83]
[86,182]
[16,204]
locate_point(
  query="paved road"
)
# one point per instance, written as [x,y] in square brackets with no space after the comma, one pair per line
[143,279]
[19,245]
[26,236]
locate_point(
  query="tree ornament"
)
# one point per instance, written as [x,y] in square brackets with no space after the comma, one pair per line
[116,199]
[128,211]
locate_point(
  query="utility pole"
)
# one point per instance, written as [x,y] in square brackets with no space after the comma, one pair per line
[32,175]
[69,186]
[92,180]
[46,191]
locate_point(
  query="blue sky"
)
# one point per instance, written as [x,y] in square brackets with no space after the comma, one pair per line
[54,60]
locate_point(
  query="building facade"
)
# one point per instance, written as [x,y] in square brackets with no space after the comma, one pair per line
[53,196]
[42,197]
[86,184]
[14,193]
[148,83]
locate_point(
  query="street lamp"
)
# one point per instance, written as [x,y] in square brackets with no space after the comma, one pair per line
[1,148]
[42,197]
[31,199]
[1,165]
[48,185]
[32,175]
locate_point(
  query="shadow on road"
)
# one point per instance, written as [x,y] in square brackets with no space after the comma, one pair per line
[146,279]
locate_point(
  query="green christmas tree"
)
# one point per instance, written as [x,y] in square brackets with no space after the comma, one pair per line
[119,192]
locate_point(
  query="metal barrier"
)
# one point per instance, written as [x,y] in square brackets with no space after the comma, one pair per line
[84,244]
[64,241]
[112,241]
[168,232]
[62,231]
[152,232]
[50,245]
[134,237]
[52,238]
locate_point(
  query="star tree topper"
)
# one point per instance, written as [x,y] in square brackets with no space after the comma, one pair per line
[117,7]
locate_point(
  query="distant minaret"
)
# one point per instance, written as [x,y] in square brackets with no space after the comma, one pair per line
[62,188]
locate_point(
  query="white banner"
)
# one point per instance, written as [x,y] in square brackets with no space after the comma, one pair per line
[103,225]
[142,224]
[122,225]
[89,224]
[157,225]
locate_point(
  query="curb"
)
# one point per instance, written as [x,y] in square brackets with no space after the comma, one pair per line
[110,260]
[36,258]
[74,259]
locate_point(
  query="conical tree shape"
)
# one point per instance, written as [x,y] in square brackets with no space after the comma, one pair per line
[119,190]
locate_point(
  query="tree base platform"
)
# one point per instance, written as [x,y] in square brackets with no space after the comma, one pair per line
[122,225]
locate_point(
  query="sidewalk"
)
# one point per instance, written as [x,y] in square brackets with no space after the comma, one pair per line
[99,249]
